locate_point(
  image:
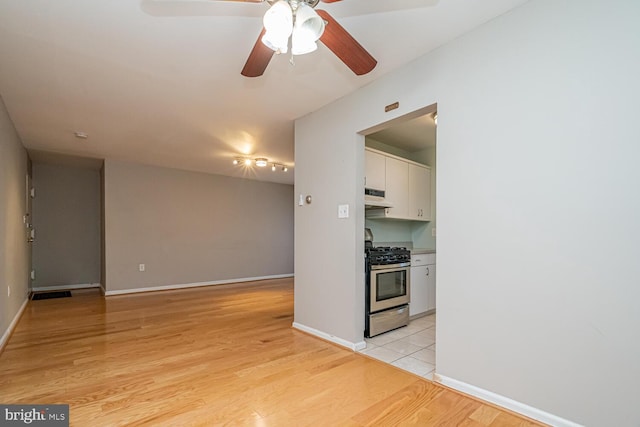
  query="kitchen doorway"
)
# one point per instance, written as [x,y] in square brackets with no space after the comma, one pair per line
[411,138]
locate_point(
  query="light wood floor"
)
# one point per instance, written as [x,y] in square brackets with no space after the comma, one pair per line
[223,355]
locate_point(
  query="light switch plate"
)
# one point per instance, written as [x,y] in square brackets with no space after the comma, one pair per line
[343,211]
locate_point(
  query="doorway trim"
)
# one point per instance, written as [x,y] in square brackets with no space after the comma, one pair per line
[430,109]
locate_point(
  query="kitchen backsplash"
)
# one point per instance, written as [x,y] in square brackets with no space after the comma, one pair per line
[401,233]
[389,231]
[422,237]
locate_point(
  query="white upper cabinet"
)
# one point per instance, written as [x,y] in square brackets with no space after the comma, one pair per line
[419,192]
[407,186]
[374,170]
[397,182]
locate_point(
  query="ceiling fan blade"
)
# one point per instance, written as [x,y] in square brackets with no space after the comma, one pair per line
[258,58]
[340,42]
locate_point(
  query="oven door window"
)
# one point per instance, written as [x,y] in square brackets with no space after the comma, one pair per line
[391,284]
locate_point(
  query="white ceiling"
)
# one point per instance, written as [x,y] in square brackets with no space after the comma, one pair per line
[158,81]
[411,135]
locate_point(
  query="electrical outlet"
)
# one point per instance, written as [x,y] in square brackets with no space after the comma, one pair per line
[141,267]
[433,232]
[33,275]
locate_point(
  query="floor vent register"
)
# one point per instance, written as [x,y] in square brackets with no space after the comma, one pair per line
[50,295]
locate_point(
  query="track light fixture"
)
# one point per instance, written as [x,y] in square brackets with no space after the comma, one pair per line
[260,162]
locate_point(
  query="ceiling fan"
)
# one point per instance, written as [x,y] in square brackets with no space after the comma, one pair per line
[300,21]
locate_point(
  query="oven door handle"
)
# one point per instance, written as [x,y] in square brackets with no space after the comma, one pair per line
[391,266]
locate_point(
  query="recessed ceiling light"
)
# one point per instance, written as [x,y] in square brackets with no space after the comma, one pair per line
[81,135]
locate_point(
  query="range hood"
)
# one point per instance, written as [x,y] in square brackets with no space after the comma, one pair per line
[374,199]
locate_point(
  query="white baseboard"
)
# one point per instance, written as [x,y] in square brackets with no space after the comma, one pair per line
[66,287]
[13,324]
[357,346]
[193,285]
[505,402]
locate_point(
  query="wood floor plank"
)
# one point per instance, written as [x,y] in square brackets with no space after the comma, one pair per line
[404,405]
[485,415]
[221,355]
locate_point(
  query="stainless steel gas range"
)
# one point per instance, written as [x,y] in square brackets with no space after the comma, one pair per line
[387,289]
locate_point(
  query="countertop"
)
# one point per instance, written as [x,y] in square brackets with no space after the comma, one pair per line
[422,251]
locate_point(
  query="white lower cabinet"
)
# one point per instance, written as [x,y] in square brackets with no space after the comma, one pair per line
[431,287]
[418,287]
[423,284]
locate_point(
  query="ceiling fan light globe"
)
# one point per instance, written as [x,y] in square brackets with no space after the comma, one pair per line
[275,42]
[301,45]
[308,23]
[279,19]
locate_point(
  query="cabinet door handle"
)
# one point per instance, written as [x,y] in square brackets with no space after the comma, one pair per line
[427,271]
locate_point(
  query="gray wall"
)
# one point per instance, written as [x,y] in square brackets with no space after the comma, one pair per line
[66,217]
[189,227]
[103,260]
[537,152]
[14,249]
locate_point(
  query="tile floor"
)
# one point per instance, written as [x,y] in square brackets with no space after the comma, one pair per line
[412,348]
